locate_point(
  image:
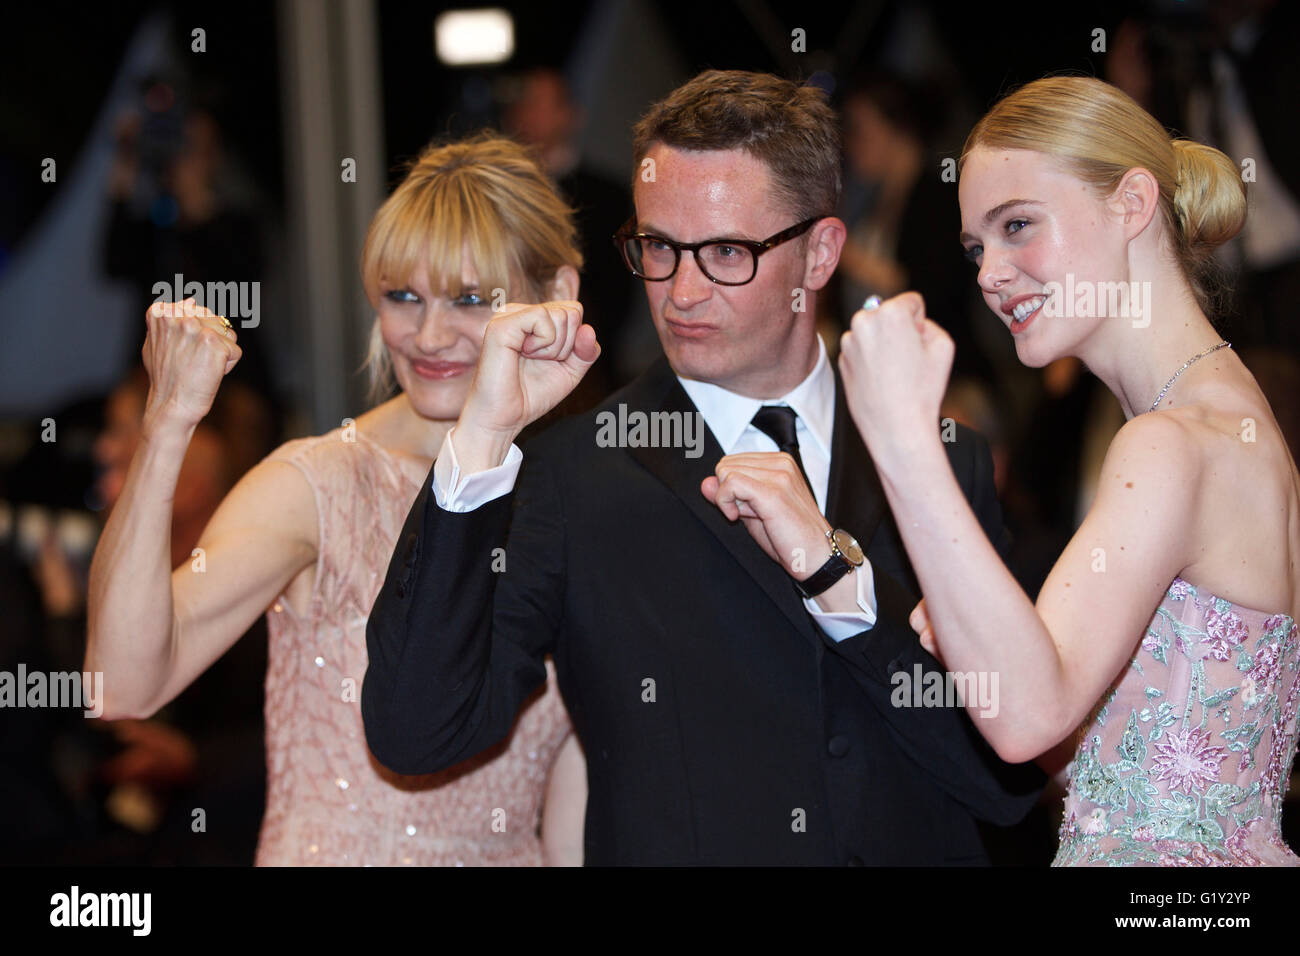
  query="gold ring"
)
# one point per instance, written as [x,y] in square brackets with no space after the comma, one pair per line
[226,322]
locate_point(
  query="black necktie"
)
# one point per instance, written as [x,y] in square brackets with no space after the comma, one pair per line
[777,422]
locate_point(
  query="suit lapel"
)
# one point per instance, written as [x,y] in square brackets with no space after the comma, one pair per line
[855,501]
[683,476]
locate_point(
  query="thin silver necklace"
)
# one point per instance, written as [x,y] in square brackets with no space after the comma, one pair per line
[1186,365]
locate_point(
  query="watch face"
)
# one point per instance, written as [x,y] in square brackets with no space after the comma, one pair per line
[849,547]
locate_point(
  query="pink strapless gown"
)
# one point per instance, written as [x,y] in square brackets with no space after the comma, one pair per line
[328,801]
[1186,761]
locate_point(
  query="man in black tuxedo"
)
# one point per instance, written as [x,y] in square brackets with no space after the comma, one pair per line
[730,661]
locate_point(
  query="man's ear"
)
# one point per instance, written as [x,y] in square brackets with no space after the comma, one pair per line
[564,285]
[1135,200]
[825,240]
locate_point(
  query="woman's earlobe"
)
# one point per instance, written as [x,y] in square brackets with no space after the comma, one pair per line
[565,284]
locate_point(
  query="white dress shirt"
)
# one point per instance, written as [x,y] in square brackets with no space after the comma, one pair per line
[729,417]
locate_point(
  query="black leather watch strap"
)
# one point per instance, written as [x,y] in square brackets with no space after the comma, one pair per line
[846,554]
[830,572]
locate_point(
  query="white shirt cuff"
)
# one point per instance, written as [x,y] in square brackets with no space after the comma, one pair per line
[841,626]
[460,493]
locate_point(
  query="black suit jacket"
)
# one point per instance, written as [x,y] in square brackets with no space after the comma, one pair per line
[720,725]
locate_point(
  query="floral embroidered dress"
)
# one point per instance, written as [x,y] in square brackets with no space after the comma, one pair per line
[1186,761]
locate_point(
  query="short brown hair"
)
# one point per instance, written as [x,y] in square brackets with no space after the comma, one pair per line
[791,128]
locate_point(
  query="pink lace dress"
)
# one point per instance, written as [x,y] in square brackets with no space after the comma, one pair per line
[1186,761]
[329,802]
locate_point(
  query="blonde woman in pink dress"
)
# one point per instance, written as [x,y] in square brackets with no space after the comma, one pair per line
[307,535]
[1163,648]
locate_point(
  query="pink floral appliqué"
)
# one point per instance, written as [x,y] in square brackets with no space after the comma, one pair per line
[1224,631]
[1187,760]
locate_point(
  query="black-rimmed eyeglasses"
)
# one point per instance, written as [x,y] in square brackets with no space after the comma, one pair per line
[724,261]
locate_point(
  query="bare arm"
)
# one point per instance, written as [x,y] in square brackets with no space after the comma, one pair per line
[565,811]
[152,630]
[1056,658]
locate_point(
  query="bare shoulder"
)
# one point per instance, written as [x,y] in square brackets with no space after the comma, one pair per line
[1233,434]
[1151,480]
[1248,512]
[1155,451]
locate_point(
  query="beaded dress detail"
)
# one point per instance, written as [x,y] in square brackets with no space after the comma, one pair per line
[329,802]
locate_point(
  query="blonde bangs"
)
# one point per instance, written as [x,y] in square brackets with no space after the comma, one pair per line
[485,196]
[491,243]
[395,241]
[427,225]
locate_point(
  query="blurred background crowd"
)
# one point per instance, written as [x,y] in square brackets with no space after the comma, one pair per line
[251,143]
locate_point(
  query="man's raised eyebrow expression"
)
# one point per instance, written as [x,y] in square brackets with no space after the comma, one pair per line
[998,210]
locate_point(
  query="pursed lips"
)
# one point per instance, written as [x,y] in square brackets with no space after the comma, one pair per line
[690,330]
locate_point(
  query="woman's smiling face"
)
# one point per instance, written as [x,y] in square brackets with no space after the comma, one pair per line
[434,338]
[1027,222]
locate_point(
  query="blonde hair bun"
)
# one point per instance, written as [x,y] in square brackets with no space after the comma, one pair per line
[1211,196]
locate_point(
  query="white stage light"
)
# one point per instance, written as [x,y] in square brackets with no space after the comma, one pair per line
[465,37]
